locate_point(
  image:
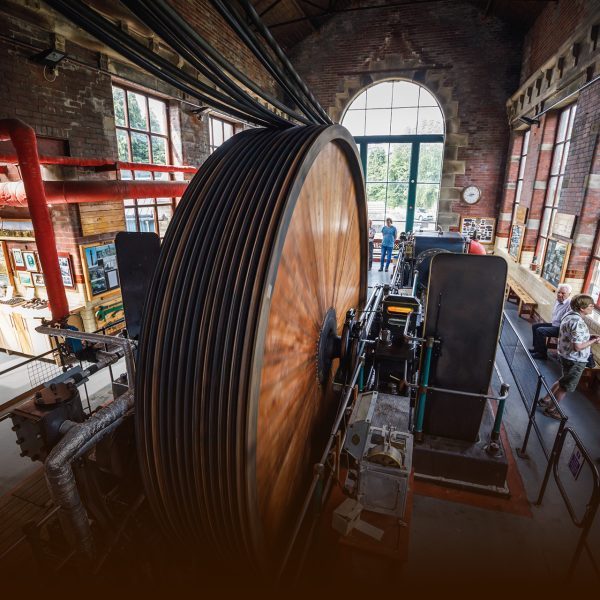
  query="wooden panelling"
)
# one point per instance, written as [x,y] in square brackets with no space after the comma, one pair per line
[103,217]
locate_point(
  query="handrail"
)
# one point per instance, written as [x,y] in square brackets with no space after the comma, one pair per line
[514,329]
[27,361]
[595,498]
[541,382]
[585,523]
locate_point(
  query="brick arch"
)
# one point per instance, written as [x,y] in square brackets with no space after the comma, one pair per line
[349,88]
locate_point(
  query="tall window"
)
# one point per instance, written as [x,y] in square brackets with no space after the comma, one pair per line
[557,172]
[143,137]
[522,162]
[399,128]
[593,282]
[220,132]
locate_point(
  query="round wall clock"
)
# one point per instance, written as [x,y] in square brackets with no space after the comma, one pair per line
[471,194]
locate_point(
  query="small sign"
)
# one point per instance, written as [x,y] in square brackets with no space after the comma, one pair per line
[563,225]
[521,215]
[576,463]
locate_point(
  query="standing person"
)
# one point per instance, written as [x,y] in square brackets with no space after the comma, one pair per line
[541,331]
[390,233]
[574,343]
[371,243]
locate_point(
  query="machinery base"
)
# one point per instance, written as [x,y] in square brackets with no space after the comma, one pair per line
[456,462]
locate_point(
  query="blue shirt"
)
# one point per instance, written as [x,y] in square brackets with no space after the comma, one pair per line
[389,236]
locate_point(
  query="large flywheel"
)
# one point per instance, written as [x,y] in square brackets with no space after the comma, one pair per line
[266,253]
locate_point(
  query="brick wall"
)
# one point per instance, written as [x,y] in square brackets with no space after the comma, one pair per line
[470,65]
[552,28]
[563,29]
[77,106]
[581,189]
[209,24]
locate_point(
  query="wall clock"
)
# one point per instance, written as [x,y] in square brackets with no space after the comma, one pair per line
[471,194]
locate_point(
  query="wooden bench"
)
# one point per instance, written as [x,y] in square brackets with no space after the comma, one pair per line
[589,377]
[516,293]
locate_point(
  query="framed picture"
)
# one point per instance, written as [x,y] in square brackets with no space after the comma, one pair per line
[66,270]
[515,241]
[18,258]
[25,278]
[38,280]
[30,261]
[555,261]
[563,225]
[17,228]
[483,228]
[100,269]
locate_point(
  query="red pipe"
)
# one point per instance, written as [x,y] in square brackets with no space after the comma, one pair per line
[23,139]
[101,162]
[14,193]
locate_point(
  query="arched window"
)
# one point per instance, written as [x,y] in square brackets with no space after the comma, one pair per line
[399,128]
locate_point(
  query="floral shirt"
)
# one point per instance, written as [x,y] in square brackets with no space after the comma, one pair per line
[573,330]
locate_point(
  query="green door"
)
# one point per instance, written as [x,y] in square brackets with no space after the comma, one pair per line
[403,175]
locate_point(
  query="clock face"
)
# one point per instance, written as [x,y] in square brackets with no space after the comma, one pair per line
[471,194]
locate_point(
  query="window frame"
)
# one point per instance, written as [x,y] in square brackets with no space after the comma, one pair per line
[363,143]
[518,191]
[415,139]
[550,207]
[223,121]
[520,174]
[147,132]
[594,262]
[137,203]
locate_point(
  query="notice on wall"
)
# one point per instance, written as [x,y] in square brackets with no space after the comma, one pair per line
[515,241]
[563,225]
[482,228]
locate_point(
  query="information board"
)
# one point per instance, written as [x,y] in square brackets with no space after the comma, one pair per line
[515,241]
[555,261]
[484,228]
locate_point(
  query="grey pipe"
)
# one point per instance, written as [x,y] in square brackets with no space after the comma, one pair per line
[59,472]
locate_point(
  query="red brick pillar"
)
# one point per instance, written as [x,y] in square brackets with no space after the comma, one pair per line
[510,185]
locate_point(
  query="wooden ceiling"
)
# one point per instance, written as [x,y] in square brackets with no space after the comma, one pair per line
[290,21]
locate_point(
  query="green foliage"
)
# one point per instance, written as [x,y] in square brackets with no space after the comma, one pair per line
[137,111]
[159,150]
[122,145]
[119,104]
[140,148]
[430,163]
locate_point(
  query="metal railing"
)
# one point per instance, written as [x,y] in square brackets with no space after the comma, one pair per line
[32,372]
[532,387]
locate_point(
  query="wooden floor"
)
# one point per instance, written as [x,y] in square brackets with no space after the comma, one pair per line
[29,501]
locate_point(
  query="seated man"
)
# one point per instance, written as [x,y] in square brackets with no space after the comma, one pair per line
[541,331]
